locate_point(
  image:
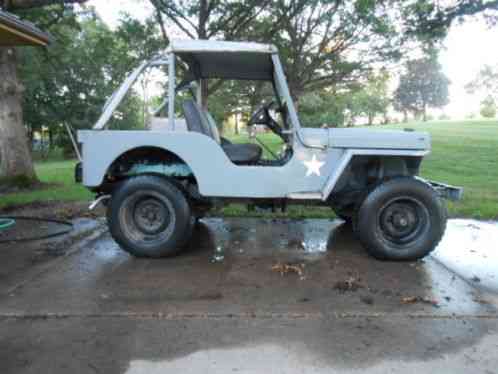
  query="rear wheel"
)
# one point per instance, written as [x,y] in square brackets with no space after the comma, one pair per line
[401,219]
[149,217]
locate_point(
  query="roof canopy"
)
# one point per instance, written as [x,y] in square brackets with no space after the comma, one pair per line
[14,31]
[228,60]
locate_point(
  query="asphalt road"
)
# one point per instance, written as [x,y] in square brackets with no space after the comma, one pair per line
[250,296]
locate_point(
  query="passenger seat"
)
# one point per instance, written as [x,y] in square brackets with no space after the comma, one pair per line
[202,122]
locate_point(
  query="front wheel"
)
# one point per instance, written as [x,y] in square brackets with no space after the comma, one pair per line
[149,217]
[401,219]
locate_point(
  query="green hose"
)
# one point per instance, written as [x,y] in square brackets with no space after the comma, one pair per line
[5,223]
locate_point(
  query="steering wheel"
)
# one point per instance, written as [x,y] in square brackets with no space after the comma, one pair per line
[262,117]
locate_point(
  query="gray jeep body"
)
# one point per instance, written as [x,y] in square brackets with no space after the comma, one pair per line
[326,165]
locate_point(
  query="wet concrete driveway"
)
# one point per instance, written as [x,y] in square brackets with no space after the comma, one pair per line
[255,296]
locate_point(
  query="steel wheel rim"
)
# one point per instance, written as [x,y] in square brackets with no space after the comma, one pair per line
[403,220]
[147,218]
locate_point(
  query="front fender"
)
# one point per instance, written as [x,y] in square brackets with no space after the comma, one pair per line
[348,155]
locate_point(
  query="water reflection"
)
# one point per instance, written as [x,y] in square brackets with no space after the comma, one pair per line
[470,249]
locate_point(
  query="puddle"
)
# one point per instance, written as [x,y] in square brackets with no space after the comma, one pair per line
[235,359]
[470,249]
[256,237]
[316,239]
[219,255]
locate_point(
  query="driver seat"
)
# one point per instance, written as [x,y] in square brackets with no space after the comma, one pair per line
[198,121]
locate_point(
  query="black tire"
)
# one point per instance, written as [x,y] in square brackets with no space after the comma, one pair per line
[149,217]
[401,219]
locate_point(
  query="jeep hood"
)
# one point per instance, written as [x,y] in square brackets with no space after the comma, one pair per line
[365,138]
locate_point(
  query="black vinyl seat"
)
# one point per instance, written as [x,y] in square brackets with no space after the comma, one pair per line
[240,154]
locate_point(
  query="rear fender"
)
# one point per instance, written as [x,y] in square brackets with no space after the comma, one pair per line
[101,149]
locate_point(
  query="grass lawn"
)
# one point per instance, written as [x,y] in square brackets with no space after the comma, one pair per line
[60,175]
[464,154]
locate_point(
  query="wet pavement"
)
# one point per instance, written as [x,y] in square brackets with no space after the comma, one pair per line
[251,296]
[471,250]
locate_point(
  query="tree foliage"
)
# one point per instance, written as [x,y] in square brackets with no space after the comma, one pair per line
[485,82]
[70,82]
[323,108]
[430,20]
[323,43]
[374,98]
[210,19]
[345,106]
[15,156]
[316,38]
[423,85]
[488,107]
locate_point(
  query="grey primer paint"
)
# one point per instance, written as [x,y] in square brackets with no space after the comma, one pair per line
[320,156]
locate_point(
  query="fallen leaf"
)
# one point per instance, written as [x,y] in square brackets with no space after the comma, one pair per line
[289,268]
[419,299]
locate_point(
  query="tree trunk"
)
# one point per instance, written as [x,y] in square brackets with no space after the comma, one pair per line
[370,119]
[385,118]
[424,113]
[202,35]
[405,116]
[236,123]
[15,156]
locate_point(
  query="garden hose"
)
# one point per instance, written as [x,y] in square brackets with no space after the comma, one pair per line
[8,222]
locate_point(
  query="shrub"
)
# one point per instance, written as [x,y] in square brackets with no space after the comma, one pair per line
[488,107]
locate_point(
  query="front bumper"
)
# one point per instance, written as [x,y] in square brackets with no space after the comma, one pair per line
[446,191]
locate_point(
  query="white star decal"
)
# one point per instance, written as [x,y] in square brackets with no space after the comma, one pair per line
[313,166]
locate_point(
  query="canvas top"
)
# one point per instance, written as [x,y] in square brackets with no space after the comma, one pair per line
[179,46]
[227,60]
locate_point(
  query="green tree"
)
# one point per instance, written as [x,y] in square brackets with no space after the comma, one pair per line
[323,108]
[488,107]
[485,82]
[342,107]
[423,85]
[15,156]
[70,82]
[373,99]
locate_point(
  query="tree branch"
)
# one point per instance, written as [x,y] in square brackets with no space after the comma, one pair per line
[27,4]
[174,14]
[160,20]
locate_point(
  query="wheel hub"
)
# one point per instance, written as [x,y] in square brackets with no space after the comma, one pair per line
[151,216]
[399,220]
